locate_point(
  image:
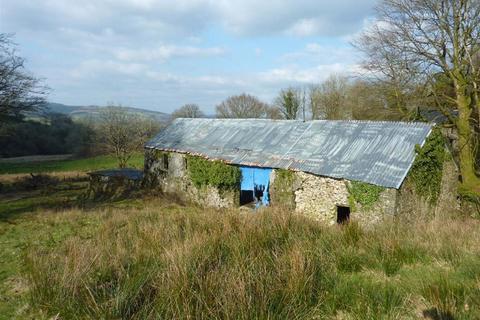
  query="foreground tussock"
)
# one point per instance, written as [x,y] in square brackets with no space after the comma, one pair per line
[185,263]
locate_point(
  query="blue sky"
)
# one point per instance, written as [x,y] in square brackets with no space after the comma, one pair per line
[161,54]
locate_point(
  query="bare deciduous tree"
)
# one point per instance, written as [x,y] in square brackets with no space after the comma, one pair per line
[367,101]
[399,81]
[273,113]
[417,39]
[20,92]
[314,102]
[123,133]
[188,111]
[242,106]
[329,100]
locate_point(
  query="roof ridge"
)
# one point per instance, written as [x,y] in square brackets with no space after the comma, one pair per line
[309,121]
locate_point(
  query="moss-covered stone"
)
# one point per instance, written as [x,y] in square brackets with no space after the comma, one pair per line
[101,187]
[154,168]
[363,193]
[426,172]
[283,188]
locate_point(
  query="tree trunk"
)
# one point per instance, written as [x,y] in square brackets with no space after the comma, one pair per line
[470,181]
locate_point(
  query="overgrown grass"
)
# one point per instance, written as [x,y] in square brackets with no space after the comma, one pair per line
[164,261]
[46,231]
[43,219]
[86,164]
[150,258]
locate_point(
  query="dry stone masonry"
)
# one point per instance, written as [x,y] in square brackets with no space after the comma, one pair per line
[315,196]
[319,198]
[168,172]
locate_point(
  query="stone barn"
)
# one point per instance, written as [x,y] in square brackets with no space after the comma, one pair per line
[331,170]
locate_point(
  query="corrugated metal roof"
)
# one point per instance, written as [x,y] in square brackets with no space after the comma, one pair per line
[379,153]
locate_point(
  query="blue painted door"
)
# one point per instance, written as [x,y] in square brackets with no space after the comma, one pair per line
[256,180]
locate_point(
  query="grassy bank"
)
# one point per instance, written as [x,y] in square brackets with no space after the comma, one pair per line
[86,164]
[165,261]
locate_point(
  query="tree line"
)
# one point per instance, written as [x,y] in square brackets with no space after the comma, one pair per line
[337,98]
[115,131]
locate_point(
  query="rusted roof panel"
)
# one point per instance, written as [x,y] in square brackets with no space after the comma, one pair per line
[377,152]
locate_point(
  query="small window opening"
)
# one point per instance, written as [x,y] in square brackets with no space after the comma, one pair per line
[165,161]
[185,163]
[343,214]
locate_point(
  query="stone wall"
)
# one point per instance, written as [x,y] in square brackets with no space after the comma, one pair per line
[174,179]
[319,197]
[283,184]
[102,187]
[302,192]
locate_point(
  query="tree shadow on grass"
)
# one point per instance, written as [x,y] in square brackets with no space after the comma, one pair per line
[61,197]
[28,202]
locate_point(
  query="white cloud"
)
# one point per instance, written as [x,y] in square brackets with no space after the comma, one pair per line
[315,53]
[170,18]
[304,27]
[165,52]
[209,89]
[294,17]
[95,67]
[299,76]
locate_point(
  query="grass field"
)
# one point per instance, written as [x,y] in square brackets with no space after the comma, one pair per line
[150,258]
[41,218]
[164,261]
[87,164]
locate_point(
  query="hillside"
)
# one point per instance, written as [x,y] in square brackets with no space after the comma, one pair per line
[92,112]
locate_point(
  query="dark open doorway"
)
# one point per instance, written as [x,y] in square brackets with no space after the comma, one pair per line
[343,214]
[246,196]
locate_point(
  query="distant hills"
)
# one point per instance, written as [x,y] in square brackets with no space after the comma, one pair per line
[93,112]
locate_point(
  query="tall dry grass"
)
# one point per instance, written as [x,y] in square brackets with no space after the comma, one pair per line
[184,263]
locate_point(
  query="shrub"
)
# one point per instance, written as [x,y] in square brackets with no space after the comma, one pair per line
[214,173]
[427,169]
[364,193]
